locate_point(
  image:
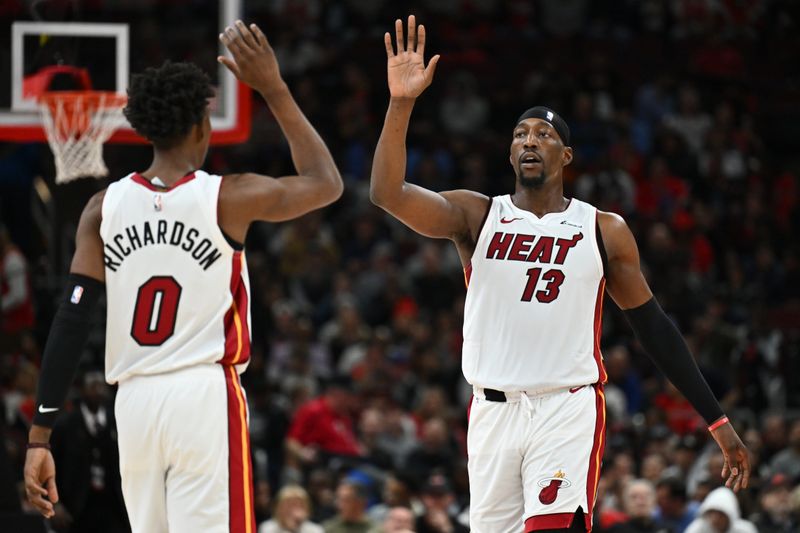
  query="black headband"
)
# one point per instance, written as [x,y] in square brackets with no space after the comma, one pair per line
[550,116]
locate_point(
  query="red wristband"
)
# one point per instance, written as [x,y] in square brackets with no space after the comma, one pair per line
[721,422]
[31,445]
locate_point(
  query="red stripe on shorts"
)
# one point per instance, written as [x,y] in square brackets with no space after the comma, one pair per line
[237,333]
[596,458]
[598,328]
[240,471]
[549,521]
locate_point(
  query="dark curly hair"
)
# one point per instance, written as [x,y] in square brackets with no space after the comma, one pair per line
[165,102]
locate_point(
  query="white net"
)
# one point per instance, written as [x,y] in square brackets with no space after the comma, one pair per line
[77,124]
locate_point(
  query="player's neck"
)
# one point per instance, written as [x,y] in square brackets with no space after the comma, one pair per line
[549,198]
[170,166]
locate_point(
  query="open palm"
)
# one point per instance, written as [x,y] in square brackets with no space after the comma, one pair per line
[406,70]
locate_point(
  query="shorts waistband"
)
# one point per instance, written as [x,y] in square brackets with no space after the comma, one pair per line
[494,395]
[192,372]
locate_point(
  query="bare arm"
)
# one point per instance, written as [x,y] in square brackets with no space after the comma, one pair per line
[88,258]
[624,279]
[664,343]
[248,197]
[440,215]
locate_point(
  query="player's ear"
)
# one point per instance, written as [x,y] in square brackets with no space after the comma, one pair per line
[567,156]
[201,130]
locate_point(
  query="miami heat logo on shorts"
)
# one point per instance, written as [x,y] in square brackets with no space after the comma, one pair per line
[550,486]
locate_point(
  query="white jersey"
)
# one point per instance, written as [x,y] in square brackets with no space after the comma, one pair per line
[534,300]
[177,291]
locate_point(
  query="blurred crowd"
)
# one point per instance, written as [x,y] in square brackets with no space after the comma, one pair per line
[683,116]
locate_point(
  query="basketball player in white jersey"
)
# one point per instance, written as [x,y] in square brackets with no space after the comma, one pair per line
[165,245]
[537,265]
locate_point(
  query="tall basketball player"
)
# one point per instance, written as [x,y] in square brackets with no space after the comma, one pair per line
[165,246]
[537,265]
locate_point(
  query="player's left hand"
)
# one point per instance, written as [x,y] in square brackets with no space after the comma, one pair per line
[737,461]
[40,480]
[254,60]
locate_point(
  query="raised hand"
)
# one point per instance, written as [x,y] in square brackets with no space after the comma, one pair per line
[253,61]
[406,70]
[737,462]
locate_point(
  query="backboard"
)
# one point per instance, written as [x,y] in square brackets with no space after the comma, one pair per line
[105,41]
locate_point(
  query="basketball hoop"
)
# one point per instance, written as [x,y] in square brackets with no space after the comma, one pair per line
[77,123]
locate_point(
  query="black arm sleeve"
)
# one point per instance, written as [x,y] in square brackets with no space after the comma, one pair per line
[664,344]
[65,343]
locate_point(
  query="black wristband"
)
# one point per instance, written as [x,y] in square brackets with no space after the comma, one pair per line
[32,445]
[664,344]
[65,343]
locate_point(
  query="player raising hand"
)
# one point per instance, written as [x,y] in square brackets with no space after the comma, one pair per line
[537,265]
[165,246]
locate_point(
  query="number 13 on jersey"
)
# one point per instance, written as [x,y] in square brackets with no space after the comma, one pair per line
[551,290]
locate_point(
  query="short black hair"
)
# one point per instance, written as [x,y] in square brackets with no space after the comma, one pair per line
[165,102]
[676,488]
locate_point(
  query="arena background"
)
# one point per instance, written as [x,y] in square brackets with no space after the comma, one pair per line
[684,118]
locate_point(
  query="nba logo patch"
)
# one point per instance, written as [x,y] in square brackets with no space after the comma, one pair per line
[549,116]
[157,202]
[77,292]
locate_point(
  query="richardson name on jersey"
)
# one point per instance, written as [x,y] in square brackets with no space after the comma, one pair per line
[170,232]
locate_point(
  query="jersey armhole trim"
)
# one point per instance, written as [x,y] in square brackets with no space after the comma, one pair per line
[600,246]
[236,245]
[483,221]
[233,243]
[468,266]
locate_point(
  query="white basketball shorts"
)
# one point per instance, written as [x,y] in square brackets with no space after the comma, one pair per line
[534,459]
[185,453]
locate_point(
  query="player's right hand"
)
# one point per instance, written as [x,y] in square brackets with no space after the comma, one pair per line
[254,60]
[40,480]
[406,70]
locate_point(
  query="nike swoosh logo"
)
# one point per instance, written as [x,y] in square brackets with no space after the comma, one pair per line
[504,221]
[565,223]
[573,390]
[44,410]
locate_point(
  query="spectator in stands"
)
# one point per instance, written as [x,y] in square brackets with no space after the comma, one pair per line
[788,461]
[322,491]
[398,520]
[440,512]
[371,428]
[773,434]
[433,452]
[682,456]
[323,427]
[653,466]
[719,513]
[776,508]
[16,299]
[673,510]
[690,121]
[640,504]
[351,504]
[292,509]
[396,494]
